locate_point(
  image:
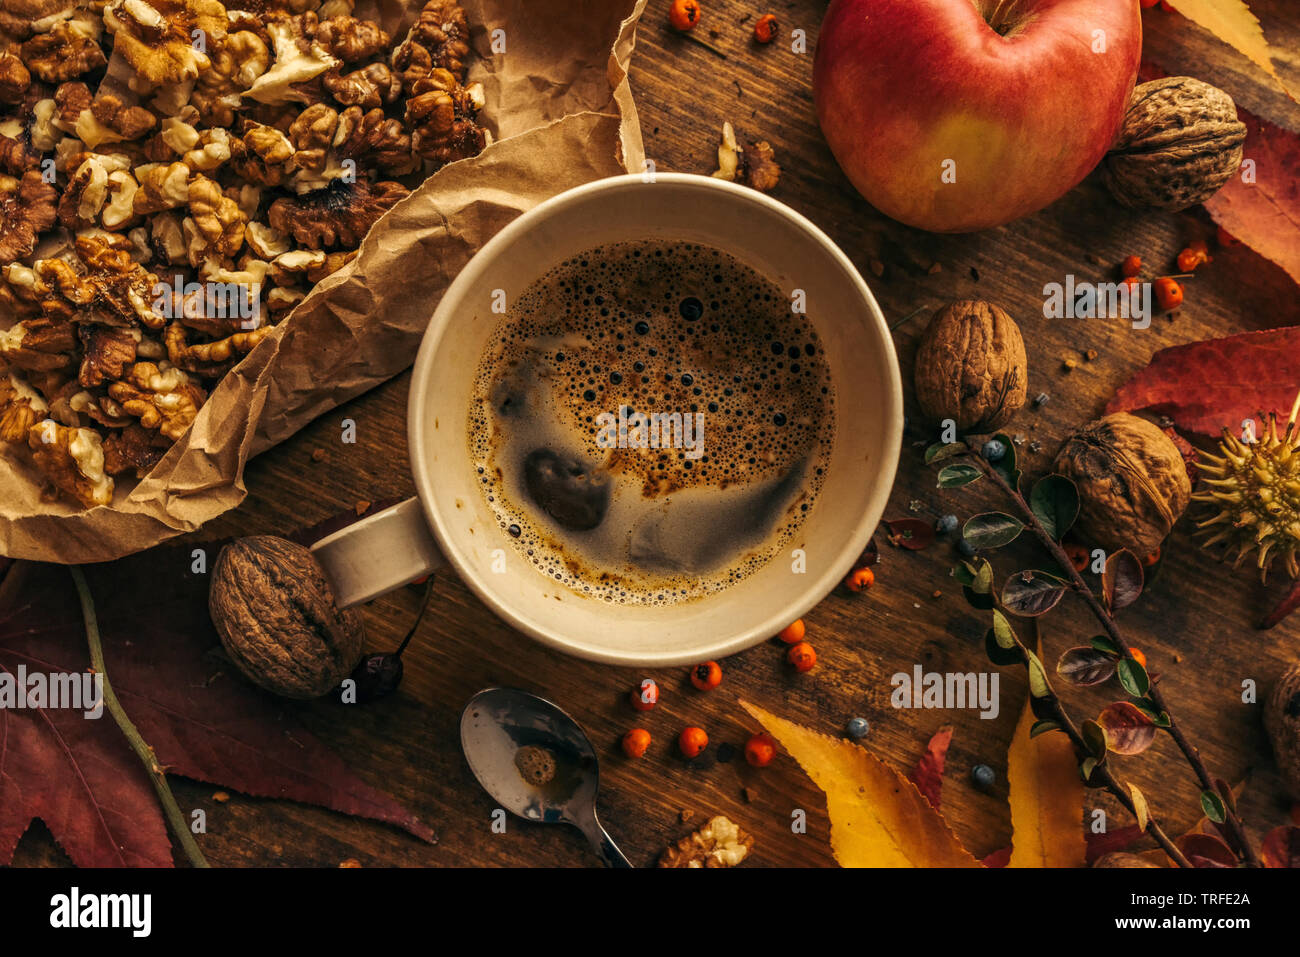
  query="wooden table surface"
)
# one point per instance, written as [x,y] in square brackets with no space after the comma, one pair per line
[1195,623]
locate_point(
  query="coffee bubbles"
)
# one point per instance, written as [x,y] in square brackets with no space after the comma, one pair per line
[651,421]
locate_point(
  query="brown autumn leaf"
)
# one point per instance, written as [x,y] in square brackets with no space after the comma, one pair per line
[1122,579]
[878,817]
[1281,847]
[1128,730]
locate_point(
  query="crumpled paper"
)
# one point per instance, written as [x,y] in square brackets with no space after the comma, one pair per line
[561,113]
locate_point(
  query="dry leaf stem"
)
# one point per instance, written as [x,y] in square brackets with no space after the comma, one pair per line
[157,776]
[1232,822]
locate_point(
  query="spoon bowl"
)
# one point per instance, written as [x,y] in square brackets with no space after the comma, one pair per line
[497,724]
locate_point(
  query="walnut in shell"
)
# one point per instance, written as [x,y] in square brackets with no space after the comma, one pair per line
[275,612]
[971,367]
[1282,722]
[1180,142]
[1132,482]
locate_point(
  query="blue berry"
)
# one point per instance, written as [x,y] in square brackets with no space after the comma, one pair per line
[982,776]
[994,450]
[858,728]
[946,524]
[966,548]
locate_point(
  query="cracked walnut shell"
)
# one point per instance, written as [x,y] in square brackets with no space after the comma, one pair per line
[1132,482]
[1180,142]
[971,367]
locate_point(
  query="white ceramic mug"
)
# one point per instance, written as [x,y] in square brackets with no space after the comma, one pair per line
[450,523]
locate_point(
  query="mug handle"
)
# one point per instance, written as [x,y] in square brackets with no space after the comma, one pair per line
[378,554]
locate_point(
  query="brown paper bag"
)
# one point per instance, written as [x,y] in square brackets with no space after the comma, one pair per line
[561,113]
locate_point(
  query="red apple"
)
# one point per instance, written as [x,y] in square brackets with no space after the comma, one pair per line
[956,115]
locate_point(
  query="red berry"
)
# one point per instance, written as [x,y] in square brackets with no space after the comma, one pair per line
[645,695]
[692,741]
[635,742]
[802,656]
[707,676]
[760,749]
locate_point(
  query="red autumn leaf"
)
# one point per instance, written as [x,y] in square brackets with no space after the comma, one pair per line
[1205,850]
[1281,847]
[1122,579]
[999,858]
[1108,842]
[1265,214]
[928,773]
[204,721]
[1216,383]
[1128,730]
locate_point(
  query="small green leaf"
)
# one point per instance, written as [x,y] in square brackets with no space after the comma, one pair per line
[1094,739]
[1038,684]
[1042,727]
[1102,643]
[1087,767]
[963,573]
[1002,631]
[1055,503]
[1133,677]
[991,529]
[1213,807]
[983,578]
[1159,718]
[955,476]
[943,450]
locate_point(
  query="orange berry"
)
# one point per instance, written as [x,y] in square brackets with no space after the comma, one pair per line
[1138,656]
[860,579]
[683,15]
[1077,554]
[792,633]
[1152,558]
[1131,266]
[1169,294]
[692,741]
[802,656]
[645,695]
[760,749]
[765,29]
[636,742]
[1191,257]
[707,676]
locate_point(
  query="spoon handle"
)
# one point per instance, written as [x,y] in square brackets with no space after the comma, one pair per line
[603,844]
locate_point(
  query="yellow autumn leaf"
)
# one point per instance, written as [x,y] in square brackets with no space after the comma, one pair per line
[1233,23]
[878,817]
[1046,797]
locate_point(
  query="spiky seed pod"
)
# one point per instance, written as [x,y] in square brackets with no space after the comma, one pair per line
[1256,489]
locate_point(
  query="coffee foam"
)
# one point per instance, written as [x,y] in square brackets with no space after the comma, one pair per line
[656,327]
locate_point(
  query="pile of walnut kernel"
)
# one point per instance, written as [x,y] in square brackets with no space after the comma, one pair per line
[150,144]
